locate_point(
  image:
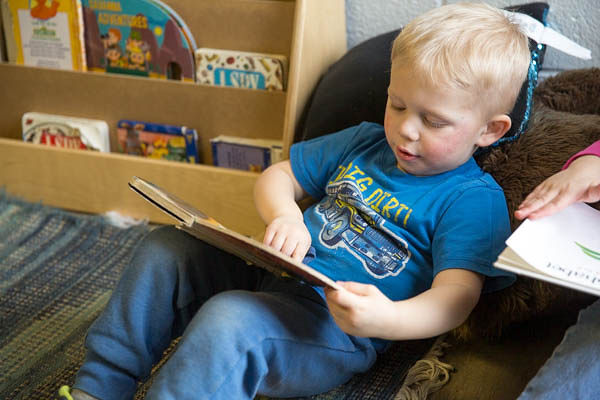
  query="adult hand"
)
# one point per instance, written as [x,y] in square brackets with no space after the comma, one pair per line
[579,182]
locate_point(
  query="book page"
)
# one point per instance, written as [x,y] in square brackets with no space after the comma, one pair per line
[565,245]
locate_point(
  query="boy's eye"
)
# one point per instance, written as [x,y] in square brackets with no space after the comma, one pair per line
[435,124]
[398,107]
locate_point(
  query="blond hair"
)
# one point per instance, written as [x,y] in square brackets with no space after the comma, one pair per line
[471,46]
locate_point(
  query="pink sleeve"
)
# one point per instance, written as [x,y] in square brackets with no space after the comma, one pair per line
[594,149]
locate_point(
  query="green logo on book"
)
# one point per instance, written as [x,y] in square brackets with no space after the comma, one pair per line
[590,253]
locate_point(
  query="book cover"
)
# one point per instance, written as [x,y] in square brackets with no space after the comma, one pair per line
[158,141]
[240,69]
[245,153]
[563,248]
[44,33]
[204,227]
[138,37]
[66,132]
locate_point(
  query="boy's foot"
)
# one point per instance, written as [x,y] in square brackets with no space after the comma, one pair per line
[65,393]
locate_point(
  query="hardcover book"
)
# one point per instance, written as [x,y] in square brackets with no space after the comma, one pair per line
[563,249]
[44,33]
[204,227]
[245,153]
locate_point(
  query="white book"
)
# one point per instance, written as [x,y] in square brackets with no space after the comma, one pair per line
[563,248]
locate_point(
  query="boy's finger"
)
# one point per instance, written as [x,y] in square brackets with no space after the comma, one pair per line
[357,288]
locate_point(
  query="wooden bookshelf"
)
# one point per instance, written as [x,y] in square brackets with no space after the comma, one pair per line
[311,33]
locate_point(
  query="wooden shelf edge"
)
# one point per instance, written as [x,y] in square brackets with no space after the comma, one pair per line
[97,182]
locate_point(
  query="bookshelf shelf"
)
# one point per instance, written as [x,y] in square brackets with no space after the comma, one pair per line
[96,183]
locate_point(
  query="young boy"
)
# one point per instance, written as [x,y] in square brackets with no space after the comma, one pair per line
[406,221]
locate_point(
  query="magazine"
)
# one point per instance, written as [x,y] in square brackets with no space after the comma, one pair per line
[563,249]
[206,228]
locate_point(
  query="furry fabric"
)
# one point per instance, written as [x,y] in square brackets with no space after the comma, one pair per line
[565,120]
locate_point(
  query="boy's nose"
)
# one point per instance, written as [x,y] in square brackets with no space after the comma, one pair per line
[408,128]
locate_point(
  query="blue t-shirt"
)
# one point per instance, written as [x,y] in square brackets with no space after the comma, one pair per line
[376,224]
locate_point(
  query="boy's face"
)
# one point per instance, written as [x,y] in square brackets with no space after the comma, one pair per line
[430,130]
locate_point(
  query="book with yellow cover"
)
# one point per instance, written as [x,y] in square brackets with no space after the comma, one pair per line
[44,33]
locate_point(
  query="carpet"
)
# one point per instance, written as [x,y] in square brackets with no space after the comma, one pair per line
[57,270]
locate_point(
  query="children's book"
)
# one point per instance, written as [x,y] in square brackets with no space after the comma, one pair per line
[138,37]
[245,153]
[241,69]
[159,141]
[200,225]
[66,132]
[44,33]
[563,248]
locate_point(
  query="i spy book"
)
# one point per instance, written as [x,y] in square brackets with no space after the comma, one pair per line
[198,224]
[563,249]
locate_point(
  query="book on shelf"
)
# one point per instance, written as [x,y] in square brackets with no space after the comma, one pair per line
[248,154]
[138,37]
[43,33]
[158,141]
[65,131]
[241,69]
[206,228]
[563,249]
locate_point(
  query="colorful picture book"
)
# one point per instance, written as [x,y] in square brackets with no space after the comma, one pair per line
[245,153]
[66,132]
[200,225]
[44,33]
[563,248]
[158,141]
[138,37]
[240,69]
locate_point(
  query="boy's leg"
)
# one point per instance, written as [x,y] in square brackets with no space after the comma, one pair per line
[170,275]
[279,342]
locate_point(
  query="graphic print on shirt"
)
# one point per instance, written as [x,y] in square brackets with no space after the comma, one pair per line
[351,223]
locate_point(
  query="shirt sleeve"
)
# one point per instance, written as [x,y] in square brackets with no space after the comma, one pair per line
[594,150]
[471,235]
[314,161]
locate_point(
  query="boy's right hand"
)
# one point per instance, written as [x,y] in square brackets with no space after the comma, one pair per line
[288,235]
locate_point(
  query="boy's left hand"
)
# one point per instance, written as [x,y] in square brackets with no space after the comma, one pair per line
[360,310]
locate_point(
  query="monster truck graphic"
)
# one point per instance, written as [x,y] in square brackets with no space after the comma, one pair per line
[350,222]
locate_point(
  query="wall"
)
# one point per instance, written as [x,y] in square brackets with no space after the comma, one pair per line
[576,19]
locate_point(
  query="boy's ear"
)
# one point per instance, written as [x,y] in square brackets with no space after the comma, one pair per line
[496,127]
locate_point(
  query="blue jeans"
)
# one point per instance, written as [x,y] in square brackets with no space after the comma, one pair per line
[243,330]
[573,370]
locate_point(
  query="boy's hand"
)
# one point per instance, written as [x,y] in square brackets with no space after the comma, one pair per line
[288,235]
[579,182]
[360,310]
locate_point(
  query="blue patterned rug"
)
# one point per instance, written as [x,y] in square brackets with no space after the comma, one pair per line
[57,270]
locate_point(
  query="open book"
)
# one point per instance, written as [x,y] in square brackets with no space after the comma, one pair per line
[209,230]
[563,249]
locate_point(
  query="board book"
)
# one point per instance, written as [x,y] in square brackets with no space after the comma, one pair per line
[563,249]
[239,69]
[158,141]
[64,131]
[198,224]
[138,37]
